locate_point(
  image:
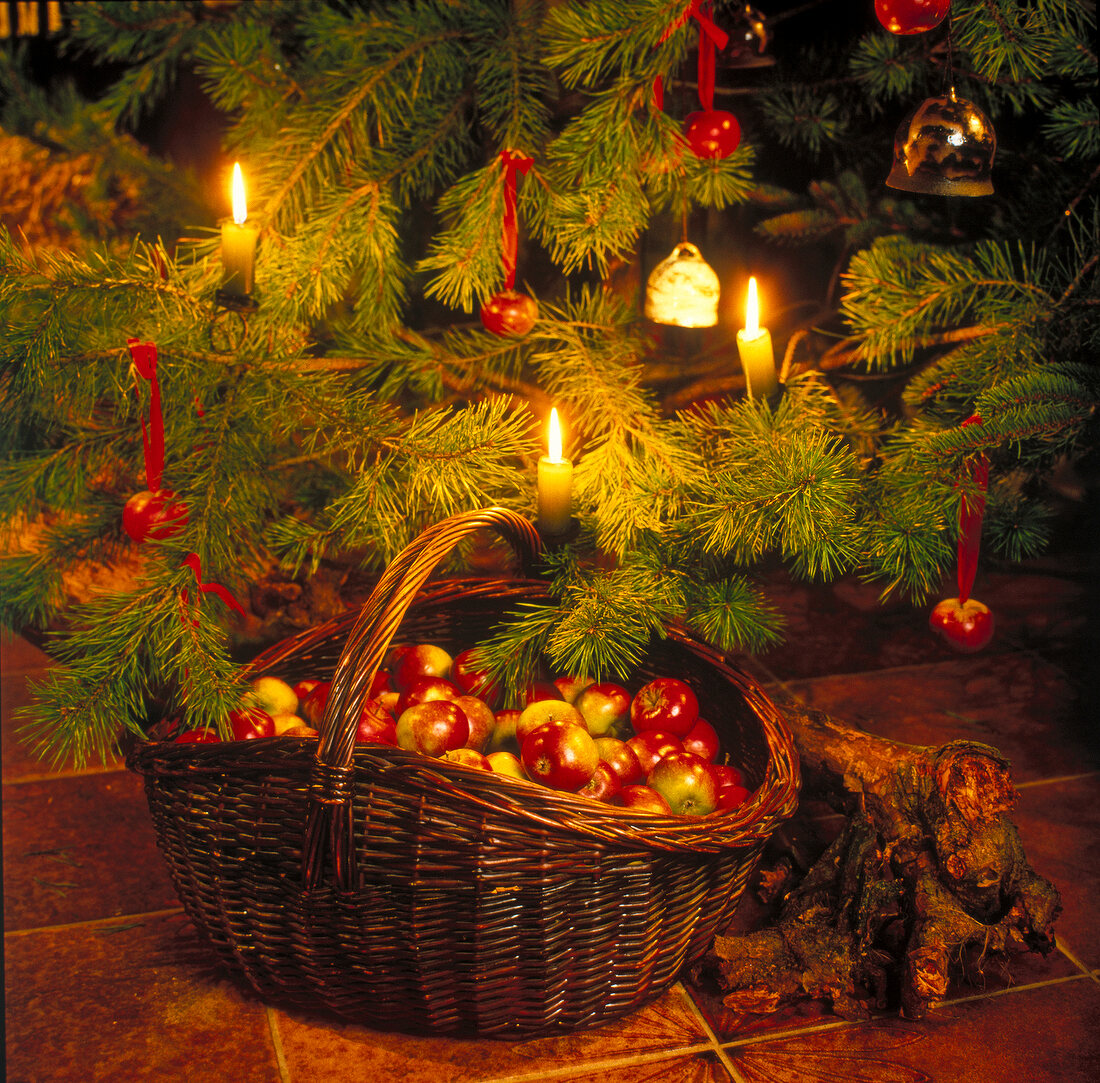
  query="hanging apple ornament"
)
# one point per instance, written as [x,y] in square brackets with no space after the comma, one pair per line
[911,16]
[710,132]
[965,623]
[510,313]
[153,515]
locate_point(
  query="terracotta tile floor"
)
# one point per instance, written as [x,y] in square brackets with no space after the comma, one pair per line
[105,979]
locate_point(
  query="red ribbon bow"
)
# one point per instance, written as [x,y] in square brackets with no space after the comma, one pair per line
[711,37]
[971,511]
[192,561]
[144,357]
[513,163]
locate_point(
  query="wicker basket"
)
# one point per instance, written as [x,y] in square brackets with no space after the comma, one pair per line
[420,895]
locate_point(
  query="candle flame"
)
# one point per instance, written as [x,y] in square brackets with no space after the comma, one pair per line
[752,312]
[555,437]
[240,208]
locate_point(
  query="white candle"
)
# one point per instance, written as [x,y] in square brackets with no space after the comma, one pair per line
[238,243]
[754,344]
[555,484]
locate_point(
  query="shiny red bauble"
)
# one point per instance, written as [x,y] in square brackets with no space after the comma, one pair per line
[712,133]
[911,16]
[966,626]
[153,515]
[509,314]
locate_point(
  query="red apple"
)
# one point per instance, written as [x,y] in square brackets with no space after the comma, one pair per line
[652,746]
[506,763]
[468,757]
[621,758]
[199,737]
[482,721]
[911,16]
[686,782]
[509,313]
[303,688]
[561,755]
[424,689]
[376,726]
[153,515]
[727,775]
[967,626]
[604,785]
[314,704]
[472,677]
[249,723]
[642,798]
[605,707]
[542,711]
[503,738]
[419,660]
[570,687]
[731,797]
[665,704]
[537,690]
[702,740]
[433,728]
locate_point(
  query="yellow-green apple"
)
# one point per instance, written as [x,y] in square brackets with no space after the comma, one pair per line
[433,728]
[605,707]
[686,782]
[666,704]
[561,755]
[506,763]
[503,738]
[468,757]
[542,711]
[271,694]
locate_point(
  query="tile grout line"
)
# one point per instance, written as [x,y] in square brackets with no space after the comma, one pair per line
[945,1005]
[1064,948]
[92,923]
[721,1053]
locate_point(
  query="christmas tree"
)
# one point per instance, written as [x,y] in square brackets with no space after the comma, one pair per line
[405,166]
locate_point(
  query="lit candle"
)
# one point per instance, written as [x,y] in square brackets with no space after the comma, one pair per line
[754,344]
[238,243]
[555,484]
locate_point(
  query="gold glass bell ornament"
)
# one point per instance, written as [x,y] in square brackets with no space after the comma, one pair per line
[683,290]
[944,147]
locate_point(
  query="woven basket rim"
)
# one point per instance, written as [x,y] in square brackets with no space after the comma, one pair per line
[497,795]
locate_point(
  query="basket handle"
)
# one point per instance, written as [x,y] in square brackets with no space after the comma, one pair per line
[331,789]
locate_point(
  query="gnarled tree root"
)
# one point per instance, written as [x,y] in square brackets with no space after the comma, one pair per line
[925,871]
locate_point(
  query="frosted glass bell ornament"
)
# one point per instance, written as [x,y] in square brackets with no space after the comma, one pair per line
[944,147]
[683,290]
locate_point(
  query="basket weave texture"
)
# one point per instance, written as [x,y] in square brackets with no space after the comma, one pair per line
[415,894]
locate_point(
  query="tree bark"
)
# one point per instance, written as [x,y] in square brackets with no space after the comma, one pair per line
[926,869]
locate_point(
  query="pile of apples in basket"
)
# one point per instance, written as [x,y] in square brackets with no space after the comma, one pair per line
[649,751]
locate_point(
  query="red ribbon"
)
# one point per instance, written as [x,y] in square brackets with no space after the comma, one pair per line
[513,163]
[711,36]
[192,561]
[144,356]
[971,510]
